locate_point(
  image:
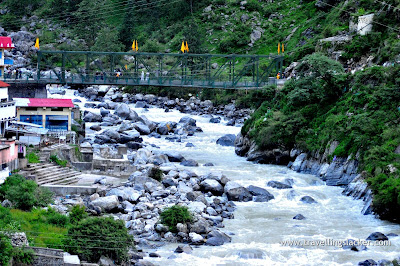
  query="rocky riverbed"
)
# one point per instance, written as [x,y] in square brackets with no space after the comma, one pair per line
[268,204]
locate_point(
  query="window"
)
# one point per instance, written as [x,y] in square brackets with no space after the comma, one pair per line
[1,54]
[57,109]
[31,108]
[34,119]
[1,72]
[57,122]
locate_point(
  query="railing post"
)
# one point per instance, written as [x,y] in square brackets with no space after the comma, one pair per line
[87,65]
[63,68]
[39,58]
[233,72]
[258,71]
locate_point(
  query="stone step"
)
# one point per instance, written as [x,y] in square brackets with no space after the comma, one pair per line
[66,181]
[57,178]
[55,174]
[44,170]
[38,166]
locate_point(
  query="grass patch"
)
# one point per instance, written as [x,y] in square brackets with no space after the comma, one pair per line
[33,157]
[55,159]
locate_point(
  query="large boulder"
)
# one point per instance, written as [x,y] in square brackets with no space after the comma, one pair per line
[278,185]
[125,193]
[227,140]
[174,156]
[189,162]
[143,156]
[213,186]
[260,194]
[142,128]
[125,126]
[92,117]
[377,236]
[123,111]
[188,121]
[236,192]
[112,134]
[201,226]
[107,203]
[217,238]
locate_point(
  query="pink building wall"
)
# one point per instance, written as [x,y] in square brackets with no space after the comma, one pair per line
[8,154]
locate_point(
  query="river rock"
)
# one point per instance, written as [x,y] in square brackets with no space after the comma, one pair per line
[217,238]
[196,238]
[184,249]
[308,199]
[123,111]
[174,156]
[369,262]
[278,185]
[215,120]
[227,140]
[260,194]
[189,145]
[189,162]
[134,145]
[201,226]
[95,127]
[213,186]
[125,126]
[299,217]
[236,192]
[142,128]
[92,117]
[377,236]
[208,164]
[112,134]
[107,203]
[188,121]
[104,112]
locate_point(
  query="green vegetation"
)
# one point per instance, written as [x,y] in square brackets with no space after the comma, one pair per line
[93,237]
[55,159]
[33,157]
[25,194]
[360,112]
[77,214]
[175,214]
[156,173]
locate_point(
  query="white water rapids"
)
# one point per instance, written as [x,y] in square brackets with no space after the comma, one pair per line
[261,226]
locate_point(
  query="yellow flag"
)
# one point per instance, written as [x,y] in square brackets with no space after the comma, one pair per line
[137,46]
[134,46]
[183,48]
[279,47]
[37,44]
[187,48]
[283,48]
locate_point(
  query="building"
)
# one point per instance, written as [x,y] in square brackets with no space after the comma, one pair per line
[51,114]
[8,157]
[7,108]
[5,44]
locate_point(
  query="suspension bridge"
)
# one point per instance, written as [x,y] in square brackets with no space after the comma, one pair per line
[153,69]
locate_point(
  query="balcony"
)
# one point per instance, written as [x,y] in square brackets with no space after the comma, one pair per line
[8,62]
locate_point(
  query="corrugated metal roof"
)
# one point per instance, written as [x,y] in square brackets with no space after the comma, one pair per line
[6,43]
[40,102]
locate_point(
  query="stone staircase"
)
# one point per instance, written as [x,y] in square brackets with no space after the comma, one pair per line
[52,174]
[44,154]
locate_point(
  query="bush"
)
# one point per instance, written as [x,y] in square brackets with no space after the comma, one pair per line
[77,214]
[25,194]
[33,157]
[23,255]
[51,216]
[6,249]
[156,173]
[55,159]
[93,237]
[175,214]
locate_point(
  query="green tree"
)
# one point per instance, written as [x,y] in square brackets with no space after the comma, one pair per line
[93,237]
[107,40]
[6,249]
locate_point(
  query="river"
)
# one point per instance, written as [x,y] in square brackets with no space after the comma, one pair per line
[261,226]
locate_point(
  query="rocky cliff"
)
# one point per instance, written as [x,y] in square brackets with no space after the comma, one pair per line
[338,171]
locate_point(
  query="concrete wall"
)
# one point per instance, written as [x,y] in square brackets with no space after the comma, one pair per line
[8,154]
[63,190]
[113,167]
[27,90]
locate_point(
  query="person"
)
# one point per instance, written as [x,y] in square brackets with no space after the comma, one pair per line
[142,76]
[278,75]
[147,76]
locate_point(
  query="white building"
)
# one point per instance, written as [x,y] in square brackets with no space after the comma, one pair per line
[7,107]
[5,43]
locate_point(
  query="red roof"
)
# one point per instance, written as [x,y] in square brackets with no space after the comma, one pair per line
[36,102]
[6,43]
[3,84]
